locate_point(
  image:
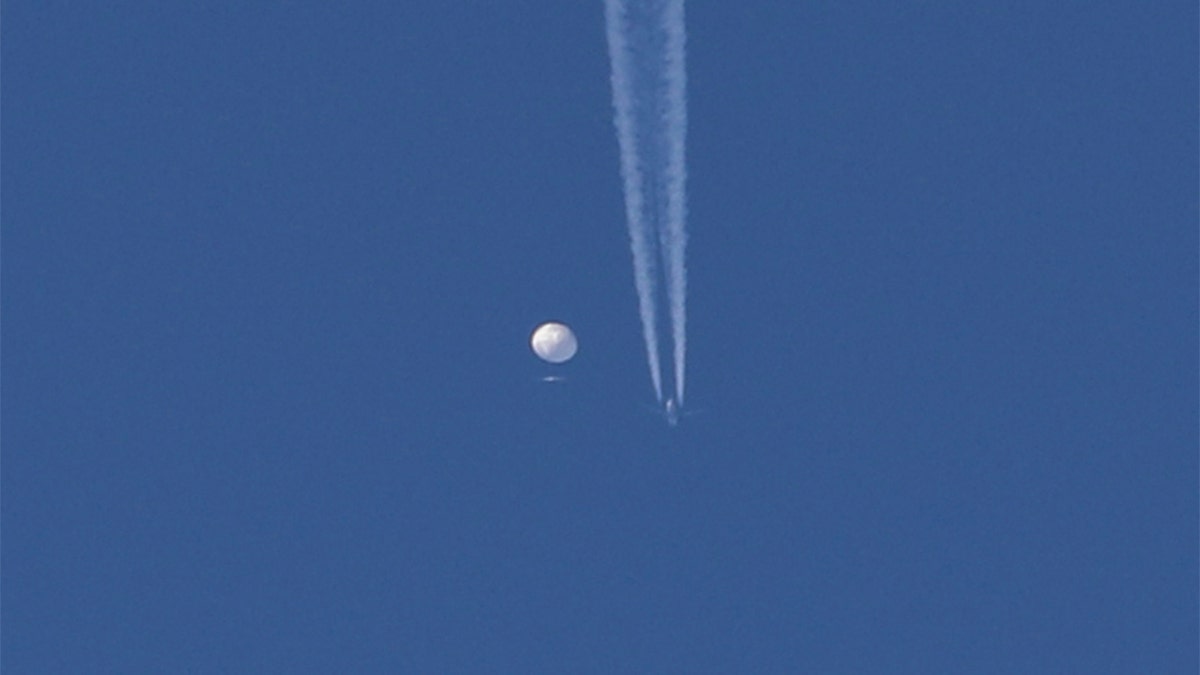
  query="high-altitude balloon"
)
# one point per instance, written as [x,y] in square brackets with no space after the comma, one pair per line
[553,342]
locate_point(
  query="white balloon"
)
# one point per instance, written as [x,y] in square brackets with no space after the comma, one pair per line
[553,342]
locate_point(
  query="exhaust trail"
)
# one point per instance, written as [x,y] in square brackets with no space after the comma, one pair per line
[675,172]
[646,43]
[634,183]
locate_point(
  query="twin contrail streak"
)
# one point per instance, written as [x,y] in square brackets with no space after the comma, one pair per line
[649,82]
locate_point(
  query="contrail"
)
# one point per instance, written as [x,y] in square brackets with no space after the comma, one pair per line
[631,173]
[676,182]
[646,48]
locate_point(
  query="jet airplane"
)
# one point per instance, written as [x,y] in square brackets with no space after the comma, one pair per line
[671,412]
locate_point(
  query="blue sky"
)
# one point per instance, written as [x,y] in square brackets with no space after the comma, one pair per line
[270,271]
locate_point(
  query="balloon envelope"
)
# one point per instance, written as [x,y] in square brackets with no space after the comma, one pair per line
[553,342]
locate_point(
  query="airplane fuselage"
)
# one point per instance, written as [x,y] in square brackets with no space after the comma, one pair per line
[671,411]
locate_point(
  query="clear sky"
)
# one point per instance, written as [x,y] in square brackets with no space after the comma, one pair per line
[270,271]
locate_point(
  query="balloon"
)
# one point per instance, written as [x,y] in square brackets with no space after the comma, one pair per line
[554,342]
